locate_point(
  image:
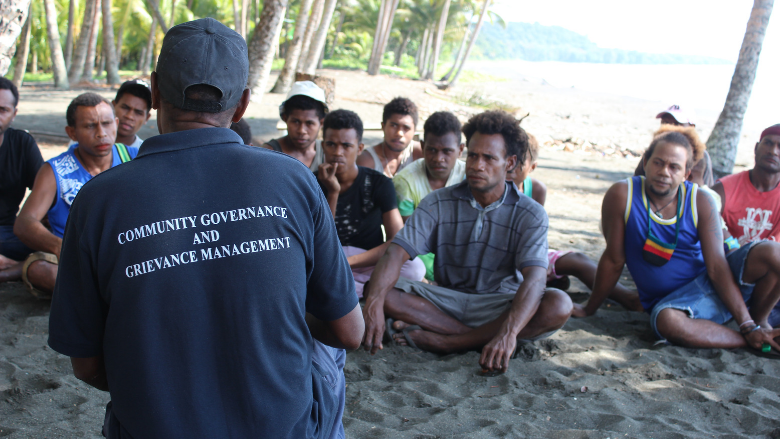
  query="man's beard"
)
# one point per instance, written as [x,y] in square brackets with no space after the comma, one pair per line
[652,190]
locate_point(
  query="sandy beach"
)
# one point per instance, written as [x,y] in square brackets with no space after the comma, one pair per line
[598,377]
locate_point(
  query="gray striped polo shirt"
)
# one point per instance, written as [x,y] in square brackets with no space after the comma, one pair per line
[478,250]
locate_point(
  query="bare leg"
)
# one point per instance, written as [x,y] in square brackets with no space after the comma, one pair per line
[12,272]
[6,262]
[42,275]
[581,267]
[553,311]
[762,267]
[418,311]
[678,328]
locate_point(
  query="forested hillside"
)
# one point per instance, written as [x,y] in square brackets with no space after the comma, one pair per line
[535,42]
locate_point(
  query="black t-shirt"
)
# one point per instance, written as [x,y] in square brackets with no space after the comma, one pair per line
[20,160]
[191,269]
[359,209]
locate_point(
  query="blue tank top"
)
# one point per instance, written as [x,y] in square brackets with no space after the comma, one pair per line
[70,177]
[653,282]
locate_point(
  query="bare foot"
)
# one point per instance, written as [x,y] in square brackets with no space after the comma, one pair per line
[6,262]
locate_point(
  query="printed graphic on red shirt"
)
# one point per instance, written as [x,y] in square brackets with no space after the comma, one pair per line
[754,224]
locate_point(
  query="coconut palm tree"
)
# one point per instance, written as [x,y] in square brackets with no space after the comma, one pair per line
[13,14]
[263,45]
[285,79]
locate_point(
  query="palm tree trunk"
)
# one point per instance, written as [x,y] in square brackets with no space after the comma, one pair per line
[109,50]
[286,76]
[172,21]
[439,38]
[374,67]
[236,17]
[80,52]
[378,31]
[470,46]
[22,50]
[724,139]
[336,35]
[421,50]
[13,14]
[460,51]
[55,50]
[89,62]
[146,60]
[121,32]
[311,27]
[318,45]
[69,37]
[154,5]
[402,48]
[244,18]
[426,65]
[263,45]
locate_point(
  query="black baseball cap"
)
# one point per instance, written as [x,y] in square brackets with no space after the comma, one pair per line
[206,52]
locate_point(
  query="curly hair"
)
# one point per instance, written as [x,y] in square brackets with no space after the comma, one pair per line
[500,122]
[342,120]
[533,147]
[441,123]
[84,100]
[678,135]
[402,106]
[7,84]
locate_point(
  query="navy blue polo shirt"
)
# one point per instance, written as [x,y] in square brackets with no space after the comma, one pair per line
[191,269]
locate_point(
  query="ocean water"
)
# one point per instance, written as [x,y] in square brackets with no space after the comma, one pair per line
[701,87]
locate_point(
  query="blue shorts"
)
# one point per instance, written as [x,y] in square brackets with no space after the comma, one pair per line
[700,300]
[10,246]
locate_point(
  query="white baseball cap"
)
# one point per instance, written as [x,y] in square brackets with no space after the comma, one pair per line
[680,115]
[308,89]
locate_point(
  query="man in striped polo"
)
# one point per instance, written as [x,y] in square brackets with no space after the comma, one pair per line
[491,260]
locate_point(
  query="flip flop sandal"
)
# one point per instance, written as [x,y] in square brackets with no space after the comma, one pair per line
[389,331]
[37,256]
[408,338]
[773,353]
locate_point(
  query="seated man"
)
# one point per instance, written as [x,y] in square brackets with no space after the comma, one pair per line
[669,234]
[20,160]
[303,112]
[563,263]
[491,260]
[242,129]
[675,116]
[439,168]
[750,200]
[362,200]
[92,125]
[398,149]
[132,106]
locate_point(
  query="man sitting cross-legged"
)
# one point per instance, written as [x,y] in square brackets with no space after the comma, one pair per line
[362,200]
[491,260]
[438,168]
[92,125]
[669,234]
[398,148]
[303,112]
[563,263]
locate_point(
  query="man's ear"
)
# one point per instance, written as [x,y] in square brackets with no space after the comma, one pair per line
[243,104]
[71,132]
[460,149]
[533,167]
[155,92]
[148,115]
[511,162]
[422,144]
[361,145]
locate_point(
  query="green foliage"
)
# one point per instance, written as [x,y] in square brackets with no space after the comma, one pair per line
[535,42]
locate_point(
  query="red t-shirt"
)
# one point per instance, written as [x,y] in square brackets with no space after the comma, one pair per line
[750,215]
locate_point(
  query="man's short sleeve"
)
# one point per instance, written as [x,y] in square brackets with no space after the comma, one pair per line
[417,236]
[384,193]
[403,191]
[331,288]
[532,245]
[32,159]
[78,311]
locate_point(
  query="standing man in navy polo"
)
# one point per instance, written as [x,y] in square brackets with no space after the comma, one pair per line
[214,300]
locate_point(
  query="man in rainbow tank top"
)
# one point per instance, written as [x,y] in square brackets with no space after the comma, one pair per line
[93,125]
[669,235]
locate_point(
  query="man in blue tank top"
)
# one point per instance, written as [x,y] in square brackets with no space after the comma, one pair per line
[92,124]
[669,235]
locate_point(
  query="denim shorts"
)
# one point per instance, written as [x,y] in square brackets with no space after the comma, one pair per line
[700,300]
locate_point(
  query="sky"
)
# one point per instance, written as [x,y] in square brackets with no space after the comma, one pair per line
[702,27]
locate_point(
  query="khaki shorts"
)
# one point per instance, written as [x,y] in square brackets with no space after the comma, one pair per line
[37,256]
[473,310]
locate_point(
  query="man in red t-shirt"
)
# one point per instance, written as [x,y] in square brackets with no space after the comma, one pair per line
[751,199]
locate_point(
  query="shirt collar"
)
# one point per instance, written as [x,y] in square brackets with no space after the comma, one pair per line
[511,193]
[188,139]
